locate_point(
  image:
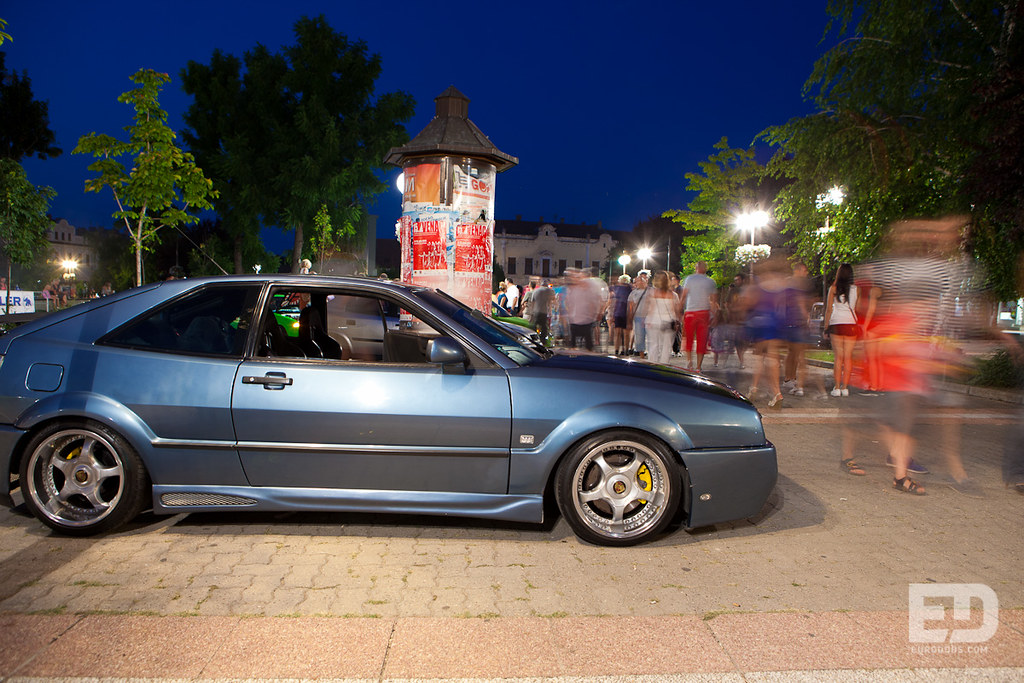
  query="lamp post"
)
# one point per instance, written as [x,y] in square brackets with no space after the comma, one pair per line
[624,261]
[833,197]
[752,221]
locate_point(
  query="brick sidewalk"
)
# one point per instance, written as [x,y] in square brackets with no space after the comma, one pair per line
[216,648]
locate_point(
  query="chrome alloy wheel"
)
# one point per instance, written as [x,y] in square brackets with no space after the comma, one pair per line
[75,478]
[621,488]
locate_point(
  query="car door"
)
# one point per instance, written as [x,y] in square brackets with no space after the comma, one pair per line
[370,419]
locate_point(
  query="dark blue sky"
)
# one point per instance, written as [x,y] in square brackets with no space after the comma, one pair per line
[606,104]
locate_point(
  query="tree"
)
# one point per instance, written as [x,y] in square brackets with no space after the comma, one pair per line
[295,131]
[23,216]
[164,183]
[727,186]
[901,120]
[26,121]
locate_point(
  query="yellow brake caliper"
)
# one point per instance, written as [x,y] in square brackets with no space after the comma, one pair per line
[643,475]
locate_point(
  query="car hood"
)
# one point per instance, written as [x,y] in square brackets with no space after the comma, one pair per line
[638,370]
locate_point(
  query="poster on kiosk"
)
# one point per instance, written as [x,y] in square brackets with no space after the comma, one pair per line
[446,230]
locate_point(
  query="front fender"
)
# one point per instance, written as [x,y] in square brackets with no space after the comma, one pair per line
[530,469]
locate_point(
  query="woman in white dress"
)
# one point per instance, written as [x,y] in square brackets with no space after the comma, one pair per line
[662,316]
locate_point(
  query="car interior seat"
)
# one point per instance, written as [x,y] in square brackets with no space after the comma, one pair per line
[313,336]
[276,342]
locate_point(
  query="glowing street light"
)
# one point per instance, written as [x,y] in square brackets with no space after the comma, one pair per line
[643,255]
[624,261]
[834,197]
[752,221]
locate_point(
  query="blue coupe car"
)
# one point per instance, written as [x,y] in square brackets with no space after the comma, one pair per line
[190,396]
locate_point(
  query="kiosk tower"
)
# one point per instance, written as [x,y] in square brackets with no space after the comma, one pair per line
[446,230]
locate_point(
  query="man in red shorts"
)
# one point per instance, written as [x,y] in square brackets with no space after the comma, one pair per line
[698,298]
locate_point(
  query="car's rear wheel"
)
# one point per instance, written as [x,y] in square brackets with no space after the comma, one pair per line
[618,488]
[81,478]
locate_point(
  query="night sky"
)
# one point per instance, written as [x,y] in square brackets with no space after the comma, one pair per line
[606,104]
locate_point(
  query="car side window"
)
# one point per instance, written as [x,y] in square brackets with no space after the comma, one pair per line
[213,321]
[329,325]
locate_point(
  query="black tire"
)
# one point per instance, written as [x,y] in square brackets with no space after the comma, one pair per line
[81,478]
[618,488]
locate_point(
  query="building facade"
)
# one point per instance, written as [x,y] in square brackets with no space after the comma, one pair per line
[538,249]
[67,246]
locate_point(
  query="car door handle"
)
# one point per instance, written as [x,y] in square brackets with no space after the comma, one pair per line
[272,380]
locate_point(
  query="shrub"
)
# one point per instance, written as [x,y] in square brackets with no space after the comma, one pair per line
[998,370]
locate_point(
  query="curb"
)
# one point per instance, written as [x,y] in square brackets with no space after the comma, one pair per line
[990,393]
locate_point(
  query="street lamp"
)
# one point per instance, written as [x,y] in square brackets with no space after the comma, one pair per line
[643,255]
[69,269]
[834,197]
[752,221]
[624,261]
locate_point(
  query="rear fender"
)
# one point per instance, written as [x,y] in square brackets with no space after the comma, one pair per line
[81,404]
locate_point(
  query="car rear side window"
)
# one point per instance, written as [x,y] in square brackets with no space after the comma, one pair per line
[213,321]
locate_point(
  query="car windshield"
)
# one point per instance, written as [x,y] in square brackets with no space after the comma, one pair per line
[482,326]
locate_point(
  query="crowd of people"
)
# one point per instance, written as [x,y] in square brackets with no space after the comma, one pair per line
[658,317]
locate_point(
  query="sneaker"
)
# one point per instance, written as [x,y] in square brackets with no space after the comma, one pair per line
[845,391]
[796,391]
[913,467]
[837,392]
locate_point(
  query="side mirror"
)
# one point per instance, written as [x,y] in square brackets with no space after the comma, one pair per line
[447,353]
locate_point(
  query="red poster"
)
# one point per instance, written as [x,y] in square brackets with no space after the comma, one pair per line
[472,248]
[428,245]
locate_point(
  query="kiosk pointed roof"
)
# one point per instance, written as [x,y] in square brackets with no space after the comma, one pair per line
[451,132]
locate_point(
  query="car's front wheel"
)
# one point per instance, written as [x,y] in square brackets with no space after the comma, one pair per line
[80,478]
[618,488]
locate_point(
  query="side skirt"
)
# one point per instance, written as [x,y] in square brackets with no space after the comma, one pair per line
[171,500]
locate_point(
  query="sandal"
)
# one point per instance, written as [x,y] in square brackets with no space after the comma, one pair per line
[775,401]
[851,467]
[908,485]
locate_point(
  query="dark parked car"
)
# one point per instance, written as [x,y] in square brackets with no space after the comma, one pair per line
[191,396]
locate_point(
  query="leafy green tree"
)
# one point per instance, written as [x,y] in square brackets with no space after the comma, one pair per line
[727,185]
[900,120]
[4,36]
[23,216]
[26,121]
[295,131]
[164,183]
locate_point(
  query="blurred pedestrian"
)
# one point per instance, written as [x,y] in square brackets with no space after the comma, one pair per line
[540,310]
[619,308]
[677,340]
[512,294]
[501,298]
[601,286]
[797,333]
[637,311]
[762,300]
[661,319]
[582,308]
[842,327]
[698,297]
